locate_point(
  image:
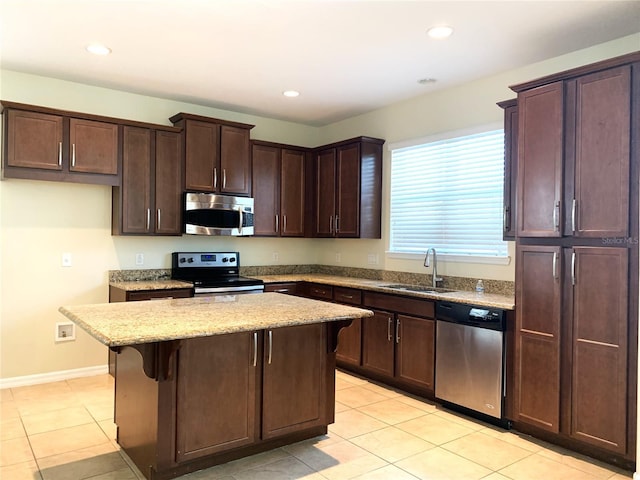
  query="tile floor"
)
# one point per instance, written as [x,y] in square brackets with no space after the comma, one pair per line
[64,431]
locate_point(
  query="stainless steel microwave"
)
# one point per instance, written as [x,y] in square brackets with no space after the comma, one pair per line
[211,214]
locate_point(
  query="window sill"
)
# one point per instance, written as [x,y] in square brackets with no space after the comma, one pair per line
[442,257]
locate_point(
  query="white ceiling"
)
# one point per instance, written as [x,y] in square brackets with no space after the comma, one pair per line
[345,57]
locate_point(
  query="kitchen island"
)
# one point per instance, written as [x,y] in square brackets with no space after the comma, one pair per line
[205,380]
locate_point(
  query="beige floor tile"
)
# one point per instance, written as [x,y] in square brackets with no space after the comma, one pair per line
[83,463]
[383,390]
[101,410]
[521,440]
[434,429]
[231,469]
[351,378]
[21,471]
[92,383]
[289,468]
[496,476]
[588,465]
[9,409]
[487,451]
[15,450]
[11,428]
[441,464]
[460,419]
[392,444]
[46,403]
[33,392]
[622,476]
[341,407]
[56,419]
[109,428]
[358,396]
[342,383]
[420,403]
[5,395]
[316,442]
[122,474]
[353,423]
[390,472]
[67,440]
[536,467]
[392,411]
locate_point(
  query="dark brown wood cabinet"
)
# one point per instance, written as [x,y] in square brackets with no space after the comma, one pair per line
[217,155]
[415,349]
[221,372]
[510,108]
[279,186]
[149,202]
[47,144]
[289,288]
[349,351]
[348,187]
[378,346]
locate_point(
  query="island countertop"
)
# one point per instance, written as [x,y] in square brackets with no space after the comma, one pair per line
[131,323]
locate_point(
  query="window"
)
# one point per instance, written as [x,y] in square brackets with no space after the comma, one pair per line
[447,194]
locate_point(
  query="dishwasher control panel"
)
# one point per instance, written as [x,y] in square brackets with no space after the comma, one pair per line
[472,315]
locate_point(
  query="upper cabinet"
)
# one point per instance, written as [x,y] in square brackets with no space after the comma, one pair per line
[348,189]
[510,167]
[217,157]
[279,173]
[149,202]
[574,155]
[47,144]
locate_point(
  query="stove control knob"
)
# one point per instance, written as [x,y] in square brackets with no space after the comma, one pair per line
[232,259]
[182,260]
[190,260]
[225,260]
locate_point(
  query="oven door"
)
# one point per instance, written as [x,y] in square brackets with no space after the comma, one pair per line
[220,291]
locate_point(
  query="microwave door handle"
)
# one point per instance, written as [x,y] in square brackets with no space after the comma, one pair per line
[241,221]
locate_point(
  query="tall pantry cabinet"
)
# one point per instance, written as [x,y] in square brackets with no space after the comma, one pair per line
[577,257]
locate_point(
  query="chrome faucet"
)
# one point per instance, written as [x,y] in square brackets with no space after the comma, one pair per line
[436,278]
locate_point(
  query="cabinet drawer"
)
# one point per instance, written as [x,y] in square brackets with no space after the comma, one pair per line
[159,294]
[350,296]
[316,290]
[290,288]
[399,304]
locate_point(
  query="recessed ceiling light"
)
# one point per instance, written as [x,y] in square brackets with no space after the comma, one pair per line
[440,31]
[291,93]
[98,49]
[427,81]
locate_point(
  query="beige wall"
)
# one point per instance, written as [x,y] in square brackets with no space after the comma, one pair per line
[41,220]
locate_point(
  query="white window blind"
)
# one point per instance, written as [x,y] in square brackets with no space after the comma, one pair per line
[447,194]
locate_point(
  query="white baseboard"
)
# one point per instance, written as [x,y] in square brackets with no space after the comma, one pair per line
[58,376]
[636,476]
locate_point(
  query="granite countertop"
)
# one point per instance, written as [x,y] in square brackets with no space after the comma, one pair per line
[160,284]
[491,300]
[130,323]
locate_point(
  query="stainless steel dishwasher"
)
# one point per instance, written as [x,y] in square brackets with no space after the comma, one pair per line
[470,357]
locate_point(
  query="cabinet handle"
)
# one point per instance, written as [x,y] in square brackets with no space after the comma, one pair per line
[284,224]
[270,346]
[282,290]
[224,178]
[331,224]
[73,155]
[215,178]
[389,323]
[349,297]
[148,218]
[398,330]
[555,264]
[337,223]
[277,223]
[573,268]
[573,215]
[158,220]
[506,223]
[556,216]
[255,348]
[60,154]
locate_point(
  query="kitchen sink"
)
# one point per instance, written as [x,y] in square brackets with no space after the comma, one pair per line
[418,288]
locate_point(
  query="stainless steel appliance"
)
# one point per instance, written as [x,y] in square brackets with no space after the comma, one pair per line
[470,357]
[213,273]
[211,214]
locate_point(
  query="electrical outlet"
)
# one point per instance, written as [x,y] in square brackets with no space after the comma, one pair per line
[66,259]
[338,257]
[275,256]
[372,259]
[139,258]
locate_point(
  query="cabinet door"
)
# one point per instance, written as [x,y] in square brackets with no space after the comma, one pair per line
[136,180]
[325,193]
[540,153]
[218,372]
[602,140]
[234,161]
[292,193]
[94,147]
[538,307]
[350,343]
[266,190]
[415,350]
[378,343]
[510,168]
[201,156]
[599,345]
[294,383]
[168,183]
[348,192]
[34,140]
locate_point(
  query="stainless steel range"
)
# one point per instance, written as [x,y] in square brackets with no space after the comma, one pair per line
[213,273]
